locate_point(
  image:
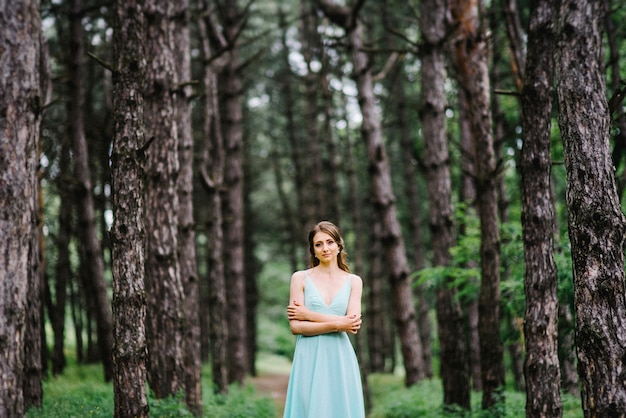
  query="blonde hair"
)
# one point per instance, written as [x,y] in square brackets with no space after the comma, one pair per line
[332,230]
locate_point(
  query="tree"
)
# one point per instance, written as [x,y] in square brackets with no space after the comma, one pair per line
[87,228]
[231,19]
[22,98]
[381,190]
[454,364]
[186,225]
[470,60]
[211,169]
[596,222]
[543,379]
[128,230]
[165,311]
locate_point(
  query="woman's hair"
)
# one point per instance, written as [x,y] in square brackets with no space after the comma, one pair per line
[332,230]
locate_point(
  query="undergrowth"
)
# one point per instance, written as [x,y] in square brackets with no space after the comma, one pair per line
[390,399]
[81,392]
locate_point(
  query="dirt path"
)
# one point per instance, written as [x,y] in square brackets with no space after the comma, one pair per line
[273,385]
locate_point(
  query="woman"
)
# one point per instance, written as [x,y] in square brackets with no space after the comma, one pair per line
[325,381]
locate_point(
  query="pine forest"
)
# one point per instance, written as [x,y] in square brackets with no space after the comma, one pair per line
[162,163]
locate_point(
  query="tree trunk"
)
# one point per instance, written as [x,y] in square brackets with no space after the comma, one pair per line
[311,207]
[613,30]
[596,222]
[382,194]
[415,222]
[165,311]
[470,58]
[128,231]
[87,230]
[541,368]
[467,196]
[232,203]
[186,225]
[22,100]
[63,268]
[454,367]
[567,351]
[212,172]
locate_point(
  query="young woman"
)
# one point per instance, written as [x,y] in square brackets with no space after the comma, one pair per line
[325,305]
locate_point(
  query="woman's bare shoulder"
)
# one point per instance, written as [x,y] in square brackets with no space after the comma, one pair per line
[356,280]
[299,275]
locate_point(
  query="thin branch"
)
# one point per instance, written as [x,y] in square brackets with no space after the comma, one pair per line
[101,62]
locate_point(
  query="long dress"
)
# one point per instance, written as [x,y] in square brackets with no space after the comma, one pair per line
[325,381]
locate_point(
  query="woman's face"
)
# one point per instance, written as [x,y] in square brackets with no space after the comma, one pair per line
[325,247]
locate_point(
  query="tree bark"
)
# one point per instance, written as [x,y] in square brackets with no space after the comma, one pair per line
[87,230]
[231,19]
[470,58]
[186,224]
[415,222]
[22,99]
[541,368]
[454,366]
[596,222]
[382,193]
[212,178]
[165,311]
[63,268]
[467,196]
[128,230]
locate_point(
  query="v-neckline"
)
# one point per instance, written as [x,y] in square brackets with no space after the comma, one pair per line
[332,300]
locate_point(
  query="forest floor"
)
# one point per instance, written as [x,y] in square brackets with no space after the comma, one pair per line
[273,385]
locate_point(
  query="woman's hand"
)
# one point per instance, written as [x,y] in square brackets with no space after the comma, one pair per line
[350,324]
[297,312]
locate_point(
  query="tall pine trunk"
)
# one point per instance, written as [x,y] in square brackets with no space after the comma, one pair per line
[165,311]
[186,225]
[22,99]
[87,230]
[128,230]
[454,366]
[382,194]
[470,59]
[212,177]
[541,368]
[596,222]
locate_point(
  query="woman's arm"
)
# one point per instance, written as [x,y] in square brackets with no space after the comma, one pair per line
[306,322]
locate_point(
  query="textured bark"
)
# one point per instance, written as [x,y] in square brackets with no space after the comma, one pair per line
[541,368]
[470,59]
[186,225]
[467,195]
[567,351]
[382,194]
[454,366]
[613,30]
[87,229]
[63,268]
[212,172]
[596,222]
[232,203]
[21,100]
[415,221]
[165,310]
[128,230]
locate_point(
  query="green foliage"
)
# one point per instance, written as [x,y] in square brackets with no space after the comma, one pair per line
[81,392]
[239,403]
[392,400]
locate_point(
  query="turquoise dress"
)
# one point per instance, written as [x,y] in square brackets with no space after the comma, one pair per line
[325,380]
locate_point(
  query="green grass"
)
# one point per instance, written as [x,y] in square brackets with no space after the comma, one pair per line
[390,399]
[81,392]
